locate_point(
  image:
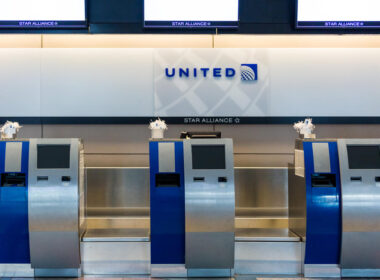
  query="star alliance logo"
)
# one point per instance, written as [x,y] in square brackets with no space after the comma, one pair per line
[248,72]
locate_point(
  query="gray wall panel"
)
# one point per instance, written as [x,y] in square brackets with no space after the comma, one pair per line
[174,131]
[96,82]
[30,131]
[117,160]
[260,138]
[263,160]
[105,139]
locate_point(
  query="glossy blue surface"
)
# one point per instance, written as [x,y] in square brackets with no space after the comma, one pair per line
[324,223]
[167,212]
[14,232]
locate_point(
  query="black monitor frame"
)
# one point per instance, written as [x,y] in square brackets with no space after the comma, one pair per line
[334,25]
[46,24]
[184,24]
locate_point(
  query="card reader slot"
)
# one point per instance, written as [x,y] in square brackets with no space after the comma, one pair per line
[323,180]
[168,180]
[13,180]
[199,179]
[222,179]
[42,178]
[66,178]
[356,179]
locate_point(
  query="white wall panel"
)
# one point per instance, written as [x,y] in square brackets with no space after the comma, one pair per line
[324,82]
[97,82]
[20,82]
[132,82]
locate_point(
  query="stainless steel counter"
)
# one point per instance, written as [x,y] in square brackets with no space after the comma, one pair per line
[118,219]
[116,235]
[119,198]
[265,234]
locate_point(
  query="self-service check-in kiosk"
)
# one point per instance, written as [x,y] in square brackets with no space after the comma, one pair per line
[314,205]
[360,173]
[192,207]
[42,207]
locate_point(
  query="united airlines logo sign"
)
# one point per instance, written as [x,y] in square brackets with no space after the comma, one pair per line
[248,72]
[211,83]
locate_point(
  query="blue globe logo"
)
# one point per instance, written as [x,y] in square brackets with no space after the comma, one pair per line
[248,72]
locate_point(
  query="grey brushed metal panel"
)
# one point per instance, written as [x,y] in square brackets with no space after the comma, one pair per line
[111,191]
[360,273]
[261,192]
[168,270]
[166,158]
[268,258]
[265,234]
[13,152]
[261,222]
[115,258]
[210,272]
[117,187]
[322,270]
[82,184]
[297,202]
[116,235]
[54,211]
[57,272]
[210,211]
[321,156]
[16,270]
[360,215]
[119,197]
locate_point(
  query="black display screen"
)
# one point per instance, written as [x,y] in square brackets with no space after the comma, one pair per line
[208,156]
[53,156]
[363,156]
